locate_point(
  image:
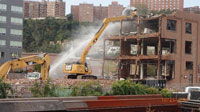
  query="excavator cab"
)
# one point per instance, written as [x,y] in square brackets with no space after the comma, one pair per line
[76,70]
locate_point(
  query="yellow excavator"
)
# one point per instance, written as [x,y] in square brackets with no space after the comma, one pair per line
[80,69]
[42,59]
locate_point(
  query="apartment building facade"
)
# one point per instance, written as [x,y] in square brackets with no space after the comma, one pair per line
[75,12]
[56,8]
[195,9]
[159,4]
[86,12]
[34,9]
[115,9]
[11,29]
[31,9]
[90,13]
[100,12]
[160,48]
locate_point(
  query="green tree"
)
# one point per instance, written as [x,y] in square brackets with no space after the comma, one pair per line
[70,17]
[39,33]
[163,11]
[141,9]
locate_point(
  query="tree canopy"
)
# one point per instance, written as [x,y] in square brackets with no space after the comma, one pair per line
[38,34]
[163,11]
[47,35]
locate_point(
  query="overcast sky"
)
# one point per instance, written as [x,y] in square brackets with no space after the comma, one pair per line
[187,3]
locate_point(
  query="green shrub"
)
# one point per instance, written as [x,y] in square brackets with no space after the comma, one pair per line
[166,93]
[122,88]
[152,90]
[128,88]
[5,88]
[43,89]
[87,89]
[140,89]
[63,91]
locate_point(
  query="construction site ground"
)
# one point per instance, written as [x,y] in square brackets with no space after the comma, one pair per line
[22,86]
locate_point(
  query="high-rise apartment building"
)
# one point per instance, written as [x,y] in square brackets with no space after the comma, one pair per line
[34,9]
[43,9]
[195,9]
[100,12]
[56,8]
[86,12]
[90,13]
[11,29]
[75,12]
[159,4]
[31,9]
[115,9]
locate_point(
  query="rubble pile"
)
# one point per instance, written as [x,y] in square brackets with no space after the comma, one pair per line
[22,86]
[71,82]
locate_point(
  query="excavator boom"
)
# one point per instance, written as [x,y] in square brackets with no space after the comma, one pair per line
[81,68]
[99,33]
[42,60]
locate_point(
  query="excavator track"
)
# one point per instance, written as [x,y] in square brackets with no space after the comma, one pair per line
[81,77]
[71,76]
[87,77]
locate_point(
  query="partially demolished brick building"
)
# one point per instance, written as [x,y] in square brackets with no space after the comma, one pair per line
[167,48]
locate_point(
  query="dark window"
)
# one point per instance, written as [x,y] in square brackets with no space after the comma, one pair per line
[189,65]
[188,28]
[188,47]
[171,25]
[2,54]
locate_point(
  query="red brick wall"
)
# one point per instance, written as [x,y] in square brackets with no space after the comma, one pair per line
[86,13]
[97,13]
[61,9]
[155,5]
[43,9]
[75,12]
[100,12]
[115,9]
[26,9]
[104,12]
[90,13]
[182,75]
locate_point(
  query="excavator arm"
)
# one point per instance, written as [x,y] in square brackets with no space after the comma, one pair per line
[74,70]
[99,33]
[42,60]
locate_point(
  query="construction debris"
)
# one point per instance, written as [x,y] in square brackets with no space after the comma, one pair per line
[22,86]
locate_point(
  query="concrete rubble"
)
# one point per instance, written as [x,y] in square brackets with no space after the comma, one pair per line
[22,86]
